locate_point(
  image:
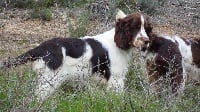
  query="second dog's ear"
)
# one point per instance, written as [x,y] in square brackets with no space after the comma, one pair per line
[120,14]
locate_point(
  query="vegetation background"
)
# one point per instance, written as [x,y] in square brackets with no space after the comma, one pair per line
[26,23]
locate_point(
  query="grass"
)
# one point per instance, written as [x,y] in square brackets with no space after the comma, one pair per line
[150,6]
[16,88]
[43,14]
[81,26]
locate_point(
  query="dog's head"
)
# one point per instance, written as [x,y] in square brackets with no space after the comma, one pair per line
[132,30]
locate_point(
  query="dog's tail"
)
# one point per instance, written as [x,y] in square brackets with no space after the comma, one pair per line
[31,55]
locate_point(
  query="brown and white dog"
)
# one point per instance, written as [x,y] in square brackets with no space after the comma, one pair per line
[106,56]
[175,59]
[170,60]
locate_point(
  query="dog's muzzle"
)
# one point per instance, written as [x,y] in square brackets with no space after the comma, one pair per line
[141,42]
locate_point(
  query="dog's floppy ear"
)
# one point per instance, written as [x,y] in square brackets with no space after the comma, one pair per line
[120,14]
[122,34]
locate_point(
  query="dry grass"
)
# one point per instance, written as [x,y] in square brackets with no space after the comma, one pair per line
[19,33]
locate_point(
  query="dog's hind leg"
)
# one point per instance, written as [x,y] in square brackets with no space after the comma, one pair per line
[47,81]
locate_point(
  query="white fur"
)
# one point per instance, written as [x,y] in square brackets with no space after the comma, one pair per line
[120,15]
[71,69]
[80,69]
[142,33]
[190,71]
[119,60]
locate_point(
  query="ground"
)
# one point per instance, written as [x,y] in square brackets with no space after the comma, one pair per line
[179,17]
[19,33]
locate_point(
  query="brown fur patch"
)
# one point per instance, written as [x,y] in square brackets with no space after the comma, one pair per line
[126,30]
[195,48]
[166,64]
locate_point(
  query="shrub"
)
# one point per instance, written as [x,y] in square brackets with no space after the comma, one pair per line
[44,3]
[80,27]
[44,14]
[127,6]
[21,3]
[28,3]
[150,6]
[72,3]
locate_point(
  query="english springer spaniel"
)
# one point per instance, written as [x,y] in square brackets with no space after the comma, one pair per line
[174,59]
[170,61]
[106,56]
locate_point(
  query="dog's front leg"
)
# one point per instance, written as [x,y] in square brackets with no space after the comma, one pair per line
[116,84]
